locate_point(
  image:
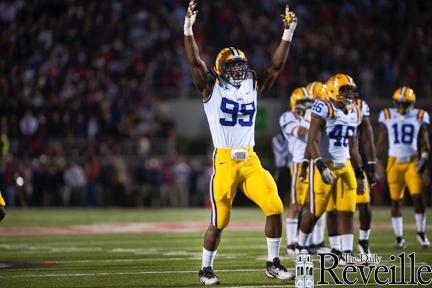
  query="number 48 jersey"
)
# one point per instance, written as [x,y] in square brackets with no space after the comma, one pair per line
[339,128]
[403,130]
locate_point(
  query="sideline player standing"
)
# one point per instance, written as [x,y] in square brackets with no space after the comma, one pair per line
[282,163]
[295,126]
[405,126]
[229,92]
[333,149]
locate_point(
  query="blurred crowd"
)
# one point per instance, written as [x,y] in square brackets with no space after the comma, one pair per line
[107,180]
[88,80]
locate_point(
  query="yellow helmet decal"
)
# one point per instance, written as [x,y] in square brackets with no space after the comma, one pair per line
[298,94]
[335,82]
[317,90]
[227,54]
[404,94]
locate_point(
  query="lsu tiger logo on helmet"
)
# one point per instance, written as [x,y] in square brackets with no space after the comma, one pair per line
[341,88]
[318,90]
[404,99]
[232,65]
[300,100]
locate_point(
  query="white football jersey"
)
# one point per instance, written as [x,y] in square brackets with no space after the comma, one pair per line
[231,113]
[339,128]
[364,108]
[280,151]
[403,130]
[296,145]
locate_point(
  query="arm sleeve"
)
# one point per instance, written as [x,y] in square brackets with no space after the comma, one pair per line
[381,117]
[365,109]
[426,119]
[320,109]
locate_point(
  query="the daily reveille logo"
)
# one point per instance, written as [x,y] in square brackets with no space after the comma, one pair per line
[366,269]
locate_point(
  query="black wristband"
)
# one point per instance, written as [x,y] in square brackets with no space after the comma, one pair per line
[320,165]
[371,167]
[359,173]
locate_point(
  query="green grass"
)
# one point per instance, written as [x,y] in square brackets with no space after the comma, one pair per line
[148,259]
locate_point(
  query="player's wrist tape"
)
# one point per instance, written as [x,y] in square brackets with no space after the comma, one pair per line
[187,27]
[320,164]
[425,155]
[371,167]
[288,34]
[359,173]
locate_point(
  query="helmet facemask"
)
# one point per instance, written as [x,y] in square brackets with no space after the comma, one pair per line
[347,95]
[303,105]
[403,107]
[235,71]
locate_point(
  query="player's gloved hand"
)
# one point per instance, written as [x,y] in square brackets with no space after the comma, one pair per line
[421,165]
[290,23]
[303,171]
[361,181]
[326,174]
[371,173]
[190,18]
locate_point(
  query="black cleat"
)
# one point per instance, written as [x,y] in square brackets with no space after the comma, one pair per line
[400,243]
[276,270]
[363,247]
[423,240]
[207,276]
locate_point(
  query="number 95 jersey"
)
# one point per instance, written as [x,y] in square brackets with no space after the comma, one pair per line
[339,128]
[231,113]
[403,130]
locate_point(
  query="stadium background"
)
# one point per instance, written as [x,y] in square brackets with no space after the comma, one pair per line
[97,107]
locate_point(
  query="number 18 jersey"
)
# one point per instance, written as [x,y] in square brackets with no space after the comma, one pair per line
[403,130]
[231,113]
[339,128]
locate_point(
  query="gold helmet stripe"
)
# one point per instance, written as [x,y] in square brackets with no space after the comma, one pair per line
[403,93]
[305,93]
[313,87]
[233,51]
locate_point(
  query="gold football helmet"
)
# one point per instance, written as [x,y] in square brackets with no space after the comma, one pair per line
[404,99]
[340,88]
[300,100]
[318,90]
[232,65]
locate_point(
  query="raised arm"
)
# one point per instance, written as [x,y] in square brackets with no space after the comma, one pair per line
[281,54]
[368,143]
[200,71]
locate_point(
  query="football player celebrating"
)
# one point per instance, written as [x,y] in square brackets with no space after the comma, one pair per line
[405,126]
[332,148]
[229,92]
[295,125]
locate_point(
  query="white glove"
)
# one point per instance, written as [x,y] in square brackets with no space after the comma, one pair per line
[328,176]
[308,115]
[290,24]
[190,18]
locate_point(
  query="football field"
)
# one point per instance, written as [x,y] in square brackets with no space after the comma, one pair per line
[150,248]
